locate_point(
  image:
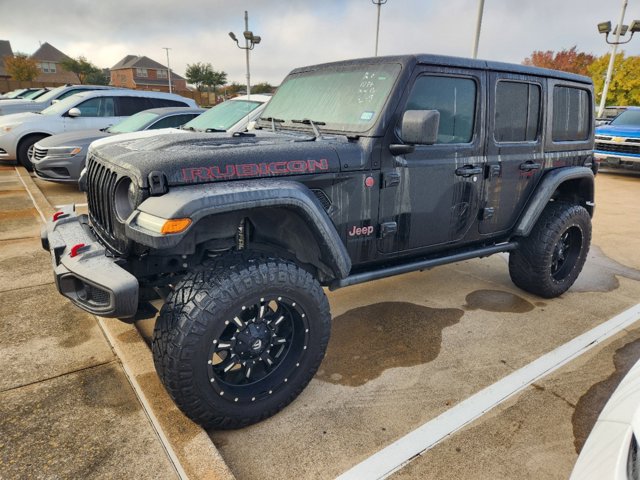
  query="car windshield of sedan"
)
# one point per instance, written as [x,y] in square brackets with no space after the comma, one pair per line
[134,123]
[51,94]
[63,106]
[223,116]
[344,99]
[629,118]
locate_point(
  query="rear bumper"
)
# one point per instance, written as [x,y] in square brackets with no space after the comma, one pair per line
[91,278]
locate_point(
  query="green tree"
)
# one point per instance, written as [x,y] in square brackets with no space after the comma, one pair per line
[80,66]
[98,77]
[197,74]
[21,67]
[567,60]
[263,87]
[213,78]
[624,88]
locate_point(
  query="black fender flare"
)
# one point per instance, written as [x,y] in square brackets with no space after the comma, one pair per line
[547,188]
[199,201]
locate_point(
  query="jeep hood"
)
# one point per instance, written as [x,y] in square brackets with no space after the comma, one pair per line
[213,157]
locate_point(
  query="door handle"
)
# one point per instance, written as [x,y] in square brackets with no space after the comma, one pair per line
[528,166]
[468,170]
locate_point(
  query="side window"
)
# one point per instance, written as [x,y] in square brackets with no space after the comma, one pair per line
[454,98]
[173,121]
[97,107]
[571,114]
[517,116]
[164,102]
[127,106]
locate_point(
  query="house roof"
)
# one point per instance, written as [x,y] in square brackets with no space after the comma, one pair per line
[5,51]
[135,61]
[49,53]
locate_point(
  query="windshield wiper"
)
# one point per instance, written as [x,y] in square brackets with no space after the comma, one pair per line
[209,130]
[313,124]
[191,129]
[273,122]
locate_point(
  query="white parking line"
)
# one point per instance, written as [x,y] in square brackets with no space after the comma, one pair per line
[398,454]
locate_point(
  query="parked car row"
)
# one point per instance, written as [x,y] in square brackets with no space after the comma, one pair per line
[61,158]
[24,93]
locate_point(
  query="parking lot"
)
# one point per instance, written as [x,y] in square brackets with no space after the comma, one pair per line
[407,349]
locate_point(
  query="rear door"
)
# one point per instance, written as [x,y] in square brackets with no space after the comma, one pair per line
[515,156]
[430,196]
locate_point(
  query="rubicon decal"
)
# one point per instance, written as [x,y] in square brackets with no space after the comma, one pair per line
[360,231]
[266,169]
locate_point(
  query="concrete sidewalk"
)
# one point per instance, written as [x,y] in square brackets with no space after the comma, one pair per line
[68,406]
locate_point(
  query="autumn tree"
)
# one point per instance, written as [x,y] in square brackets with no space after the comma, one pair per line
[567,60]
[624,88]
[80,66]
[21,67]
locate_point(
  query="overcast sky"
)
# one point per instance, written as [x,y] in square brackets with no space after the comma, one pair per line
[304,32]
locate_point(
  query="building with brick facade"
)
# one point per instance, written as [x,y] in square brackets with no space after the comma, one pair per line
[48,59]
[143,73]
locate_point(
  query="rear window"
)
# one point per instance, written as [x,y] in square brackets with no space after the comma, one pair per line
[571,114]
[517,117]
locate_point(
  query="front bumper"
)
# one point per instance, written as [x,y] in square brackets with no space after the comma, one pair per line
[613,159]
[91,279]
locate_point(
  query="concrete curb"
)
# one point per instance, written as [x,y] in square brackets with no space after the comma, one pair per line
[188,446]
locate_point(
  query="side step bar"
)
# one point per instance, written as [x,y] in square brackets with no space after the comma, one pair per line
[420,265]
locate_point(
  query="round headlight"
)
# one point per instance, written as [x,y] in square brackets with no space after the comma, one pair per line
[125,198]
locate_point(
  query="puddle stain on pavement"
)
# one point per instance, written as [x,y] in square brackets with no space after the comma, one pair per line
[497,301]
[368,340]
[590,405]
[20,266]
[600,273]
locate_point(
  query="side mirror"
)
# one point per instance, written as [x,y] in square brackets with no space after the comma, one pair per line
[420,127]
[74,112]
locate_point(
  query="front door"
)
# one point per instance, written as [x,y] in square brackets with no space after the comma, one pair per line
[95,113]
[430,197]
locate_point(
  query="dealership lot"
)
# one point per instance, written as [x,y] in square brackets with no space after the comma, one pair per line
[406,349]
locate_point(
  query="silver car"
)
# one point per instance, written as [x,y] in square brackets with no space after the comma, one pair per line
[61,158]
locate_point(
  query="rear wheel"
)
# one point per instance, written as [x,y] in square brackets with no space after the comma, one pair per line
[25,150]
[549,260]
[236,344]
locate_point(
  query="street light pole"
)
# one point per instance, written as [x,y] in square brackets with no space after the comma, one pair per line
[379,3]
[250,41]
[614,49]
[478,27]
[168,68]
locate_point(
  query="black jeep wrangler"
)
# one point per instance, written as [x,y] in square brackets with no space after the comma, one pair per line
[357,170]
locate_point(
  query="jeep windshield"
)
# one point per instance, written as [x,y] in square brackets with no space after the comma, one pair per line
[343,99]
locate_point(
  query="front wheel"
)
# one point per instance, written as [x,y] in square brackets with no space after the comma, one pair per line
[235,344]
[25,150]
[549,260]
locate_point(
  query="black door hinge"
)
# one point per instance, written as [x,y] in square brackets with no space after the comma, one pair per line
[388,228]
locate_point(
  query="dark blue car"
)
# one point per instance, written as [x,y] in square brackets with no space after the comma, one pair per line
[618,143]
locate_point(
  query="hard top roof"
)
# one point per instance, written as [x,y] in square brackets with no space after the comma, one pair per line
[459,62]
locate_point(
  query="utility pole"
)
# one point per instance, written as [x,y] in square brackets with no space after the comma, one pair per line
[478,27]
[250,41]
[168,68]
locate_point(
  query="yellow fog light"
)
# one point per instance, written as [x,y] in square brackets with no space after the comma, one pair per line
[175,225]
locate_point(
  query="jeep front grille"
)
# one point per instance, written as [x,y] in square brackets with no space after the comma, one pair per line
[618,147]
[101,185]
[39,153]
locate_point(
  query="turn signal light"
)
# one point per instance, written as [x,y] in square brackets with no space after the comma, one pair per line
[175,225]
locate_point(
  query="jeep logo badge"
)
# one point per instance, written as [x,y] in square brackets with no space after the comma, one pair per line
[256,345]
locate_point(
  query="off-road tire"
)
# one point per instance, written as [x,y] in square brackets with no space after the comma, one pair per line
[205,305]
[549,260]
[23,150]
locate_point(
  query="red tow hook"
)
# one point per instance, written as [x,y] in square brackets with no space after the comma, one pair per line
[57,215]
[76,249]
